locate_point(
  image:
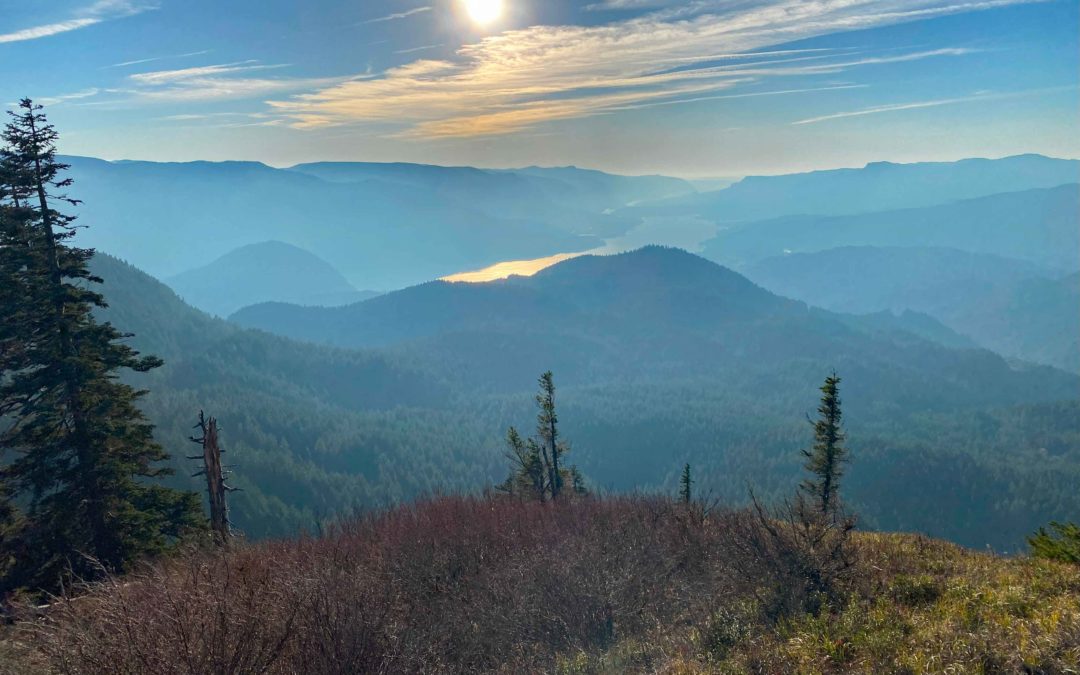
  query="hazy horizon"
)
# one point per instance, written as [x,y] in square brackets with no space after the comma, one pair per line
[688,177]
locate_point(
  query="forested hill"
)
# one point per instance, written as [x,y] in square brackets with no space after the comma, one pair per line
[1010,306]
[314,431]
[706,368]
[654,312]
[269,270]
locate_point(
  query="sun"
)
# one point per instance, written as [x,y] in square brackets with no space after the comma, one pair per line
[484,12]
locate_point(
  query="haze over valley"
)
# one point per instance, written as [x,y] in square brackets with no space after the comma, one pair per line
[522,336]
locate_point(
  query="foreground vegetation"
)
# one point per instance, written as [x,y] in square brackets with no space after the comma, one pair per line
[588,585]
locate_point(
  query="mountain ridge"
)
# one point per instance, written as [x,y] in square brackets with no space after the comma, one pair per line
[261,272]
[878,186]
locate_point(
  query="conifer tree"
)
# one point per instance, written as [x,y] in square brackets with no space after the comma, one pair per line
[527,474]
[1061,542]
[79,450]
[685,485]
[825,460]
[547,429]
[535,462]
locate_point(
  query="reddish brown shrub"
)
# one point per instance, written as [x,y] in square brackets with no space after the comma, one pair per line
[450,584]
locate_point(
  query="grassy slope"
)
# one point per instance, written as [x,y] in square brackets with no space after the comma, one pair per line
[619,585]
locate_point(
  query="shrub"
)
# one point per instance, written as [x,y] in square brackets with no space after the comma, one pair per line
[1063,543]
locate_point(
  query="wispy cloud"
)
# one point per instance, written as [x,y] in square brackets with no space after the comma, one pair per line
[187,74]
[158,58]
[749,94]
[98,12]
[64,98]
[917,105]
[397,15]
[422,48]
[629,4]
[219,81]
[519,79]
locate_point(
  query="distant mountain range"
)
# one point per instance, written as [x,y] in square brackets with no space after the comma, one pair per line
[1040,225]
[393,225]
[567,197]
[1011,306]
[263,272]
[381,225]
[879,186]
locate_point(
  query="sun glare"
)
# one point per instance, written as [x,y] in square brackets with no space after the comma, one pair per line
[484,12]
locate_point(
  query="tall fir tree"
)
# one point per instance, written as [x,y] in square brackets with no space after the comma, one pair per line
[826,459]
[547,429]
[78,451]
[536,470]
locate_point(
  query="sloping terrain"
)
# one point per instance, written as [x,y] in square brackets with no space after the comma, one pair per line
[1039,226]
[1010,306]
[879,186]
[264,272]
[626,585]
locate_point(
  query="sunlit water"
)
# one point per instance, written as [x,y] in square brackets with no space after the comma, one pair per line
[687,233]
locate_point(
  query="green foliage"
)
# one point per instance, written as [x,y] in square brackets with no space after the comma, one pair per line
[915,590]
[1061,543]
[78,450]
[825,460]
[686,485]
[535,471]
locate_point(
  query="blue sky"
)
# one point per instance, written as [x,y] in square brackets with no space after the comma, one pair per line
[696,88]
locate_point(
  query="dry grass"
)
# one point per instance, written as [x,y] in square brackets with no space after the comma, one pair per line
[591,586]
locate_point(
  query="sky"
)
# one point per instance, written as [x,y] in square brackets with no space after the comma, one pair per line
[699,88]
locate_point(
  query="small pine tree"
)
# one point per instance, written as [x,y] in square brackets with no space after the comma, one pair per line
[1062,543]
[536,471]
[685,485]
[825,460]
[527,475]
[80,448]
[547,429]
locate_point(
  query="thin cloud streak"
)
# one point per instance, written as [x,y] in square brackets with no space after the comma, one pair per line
[99,12]
[751,94]
[397,15]
[412,50]
[158,58]
[917,105]
[47,30]
[63,98]
[166,76]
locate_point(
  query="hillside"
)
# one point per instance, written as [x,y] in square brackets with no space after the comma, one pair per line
[1009,306]
[264,272]
[622,585]
[315,430]
[879,186]
[653,312]
[663,357]
[1037,226]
